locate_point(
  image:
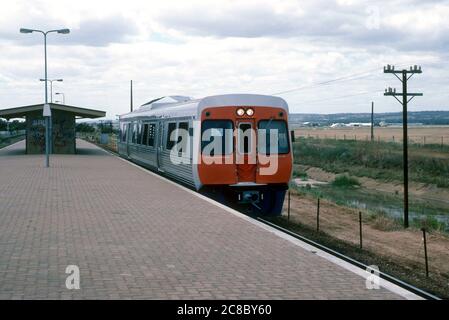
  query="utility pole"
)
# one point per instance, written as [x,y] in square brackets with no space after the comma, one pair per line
[406,75]
[131,96]
[372,121]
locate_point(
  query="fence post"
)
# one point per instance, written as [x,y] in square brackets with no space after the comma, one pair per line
[441,141]
[360,229]
[318,216]
[288,208]
[425,251]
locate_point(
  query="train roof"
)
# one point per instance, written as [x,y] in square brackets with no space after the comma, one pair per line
[187,107]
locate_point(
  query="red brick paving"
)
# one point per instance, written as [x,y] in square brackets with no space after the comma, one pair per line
[135,236]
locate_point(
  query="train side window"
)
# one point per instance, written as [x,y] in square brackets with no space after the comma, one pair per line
[268,127]
[134,132]
[183,130]
[139,133]
[151,134]
[123,132]
[169,143]
[145,134]
[182,126]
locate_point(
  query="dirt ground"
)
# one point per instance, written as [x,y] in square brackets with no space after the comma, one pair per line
[392,242]
[421,135]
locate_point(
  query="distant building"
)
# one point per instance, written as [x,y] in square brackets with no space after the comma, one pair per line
[359,124]
[310,124]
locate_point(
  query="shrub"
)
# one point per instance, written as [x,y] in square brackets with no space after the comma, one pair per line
[345,181]
[430,223]
[381,222]
[300,174]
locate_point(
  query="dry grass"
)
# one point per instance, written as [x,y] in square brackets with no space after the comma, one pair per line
[382,223]
[421,135]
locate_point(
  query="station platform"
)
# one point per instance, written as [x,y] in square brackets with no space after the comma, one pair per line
[136,235]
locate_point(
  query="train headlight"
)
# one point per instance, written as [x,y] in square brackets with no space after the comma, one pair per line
[240,112]
[249,112]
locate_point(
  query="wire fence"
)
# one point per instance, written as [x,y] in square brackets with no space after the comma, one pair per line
[422,251]
[417,136]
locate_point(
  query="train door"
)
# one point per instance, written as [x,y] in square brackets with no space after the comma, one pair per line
[246,156]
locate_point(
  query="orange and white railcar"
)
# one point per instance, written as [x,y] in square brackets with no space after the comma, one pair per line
[244,171]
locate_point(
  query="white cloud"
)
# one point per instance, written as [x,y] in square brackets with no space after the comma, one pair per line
[198,48]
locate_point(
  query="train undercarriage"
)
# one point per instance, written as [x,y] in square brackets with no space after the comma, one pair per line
[266,200]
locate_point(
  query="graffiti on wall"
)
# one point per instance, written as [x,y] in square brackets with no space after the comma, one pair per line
[62,131]
[36,136]
[63,135]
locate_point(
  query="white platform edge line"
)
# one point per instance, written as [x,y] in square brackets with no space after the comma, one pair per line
[346,265]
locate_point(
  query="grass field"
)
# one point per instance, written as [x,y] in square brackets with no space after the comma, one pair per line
[436,135]
[379,160]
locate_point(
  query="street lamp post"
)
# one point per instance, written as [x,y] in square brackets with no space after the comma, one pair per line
[63,96]
[50,136]
[47,111]
[51,86]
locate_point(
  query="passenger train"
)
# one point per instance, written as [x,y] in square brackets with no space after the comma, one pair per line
[173,135]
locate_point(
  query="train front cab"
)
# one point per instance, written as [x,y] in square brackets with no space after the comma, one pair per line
[245,172]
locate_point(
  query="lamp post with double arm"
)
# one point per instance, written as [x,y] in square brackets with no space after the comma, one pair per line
[63,96]
[47,111]
[51,87]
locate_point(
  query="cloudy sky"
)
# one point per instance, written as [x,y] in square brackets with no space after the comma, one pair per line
[320,56]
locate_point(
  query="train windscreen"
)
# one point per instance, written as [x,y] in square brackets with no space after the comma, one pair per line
[269,129]
[216,137]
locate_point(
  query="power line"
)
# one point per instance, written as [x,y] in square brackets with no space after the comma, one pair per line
[324,83]
[327,82]
[349,77]
[339,97]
